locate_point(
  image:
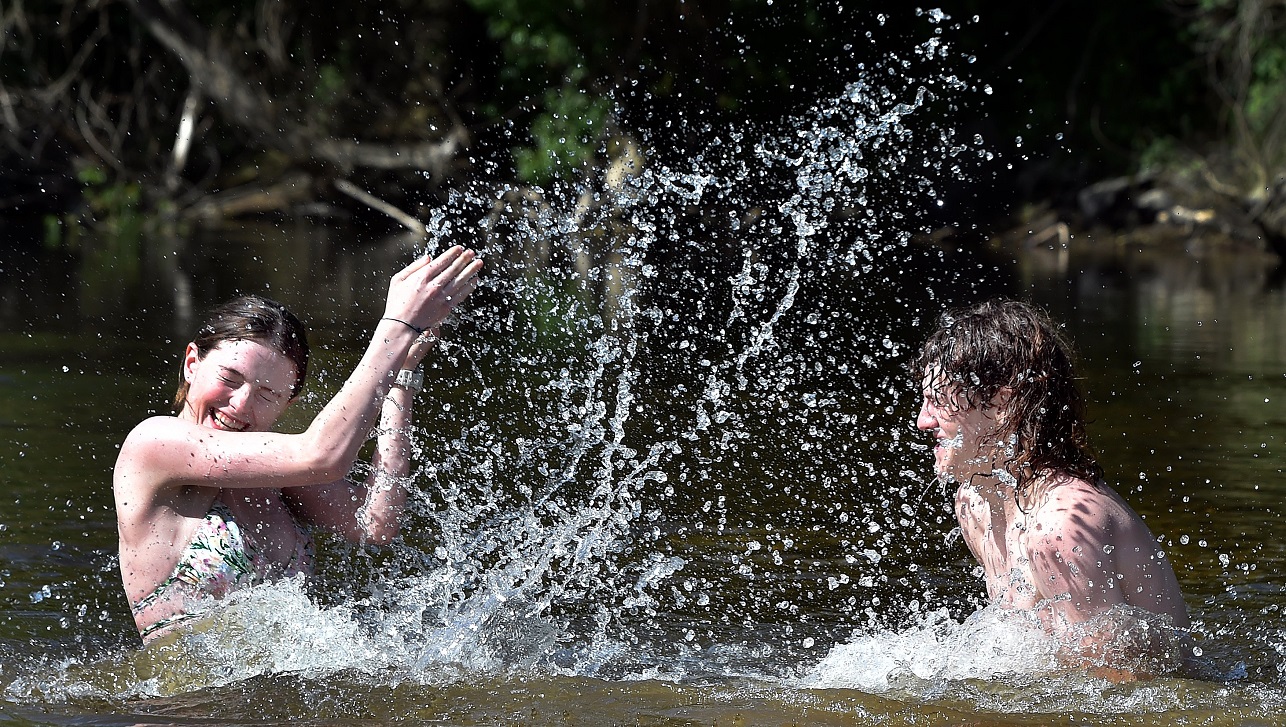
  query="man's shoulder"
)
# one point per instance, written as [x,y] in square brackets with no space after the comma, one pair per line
[1064,490]
[1067,506]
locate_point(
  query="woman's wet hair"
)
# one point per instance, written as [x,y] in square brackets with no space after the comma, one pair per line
[1013,350]
[258,319]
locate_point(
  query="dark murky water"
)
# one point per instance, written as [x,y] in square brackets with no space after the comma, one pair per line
[641,506]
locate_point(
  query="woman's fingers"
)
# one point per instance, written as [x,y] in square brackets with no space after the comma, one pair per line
[453,279]
[425,268]
[421,262]
[427,290]
[466,281]
[447,260]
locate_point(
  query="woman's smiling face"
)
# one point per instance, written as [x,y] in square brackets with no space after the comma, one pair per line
[966,436]
[238,386]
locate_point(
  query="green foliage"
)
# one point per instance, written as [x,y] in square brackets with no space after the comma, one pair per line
[544,82]
[1160,153]
[328,88]
[534,36]
[1244,47]
[1266,96]
[565,136]
[542,46]
[111,207]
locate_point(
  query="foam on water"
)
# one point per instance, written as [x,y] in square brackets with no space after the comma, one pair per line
[990,644]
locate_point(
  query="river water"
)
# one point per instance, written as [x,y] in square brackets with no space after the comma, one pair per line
[667,471]
[586,547]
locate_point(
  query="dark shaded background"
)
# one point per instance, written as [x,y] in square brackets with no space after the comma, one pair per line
[536,92]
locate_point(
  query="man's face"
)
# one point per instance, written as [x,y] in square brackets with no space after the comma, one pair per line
[965,436]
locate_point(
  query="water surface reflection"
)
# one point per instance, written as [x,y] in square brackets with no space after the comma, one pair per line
[614,528]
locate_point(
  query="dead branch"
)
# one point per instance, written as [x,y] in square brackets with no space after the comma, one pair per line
[253,199]
[183,139]
[59,87]
[211,70]
[431,156]
[88,133]
[272,32]
[208,67]
[408,221]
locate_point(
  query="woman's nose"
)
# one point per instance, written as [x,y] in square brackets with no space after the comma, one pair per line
[240,396]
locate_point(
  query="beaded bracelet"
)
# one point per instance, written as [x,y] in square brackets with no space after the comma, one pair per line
[411,380]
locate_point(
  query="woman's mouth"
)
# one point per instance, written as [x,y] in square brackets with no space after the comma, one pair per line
[223,421]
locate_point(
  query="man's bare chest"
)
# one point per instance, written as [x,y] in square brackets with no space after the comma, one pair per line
[997,540]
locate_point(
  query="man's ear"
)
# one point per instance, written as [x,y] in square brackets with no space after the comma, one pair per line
[1000,404]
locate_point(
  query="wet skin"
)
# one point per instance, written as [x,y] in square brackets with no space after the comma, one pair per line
[1073,550]
[171,470]
[238,386]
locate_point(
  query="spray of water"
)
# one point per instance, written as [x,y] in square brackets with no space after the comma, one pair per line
[682,431]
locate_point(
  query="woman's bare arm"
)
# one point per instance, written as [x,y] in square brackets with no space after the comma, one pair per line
[370,512]
[167,452]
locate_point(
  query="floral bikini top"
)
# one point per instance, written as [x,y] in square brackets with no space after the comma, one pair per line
[221,559]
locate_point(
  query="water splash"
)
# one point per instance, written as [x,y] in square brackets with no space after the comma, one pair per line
[648,344]
[990,645]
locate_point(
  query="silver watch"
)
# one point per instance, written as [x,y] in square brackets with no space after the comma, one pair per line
[411,380]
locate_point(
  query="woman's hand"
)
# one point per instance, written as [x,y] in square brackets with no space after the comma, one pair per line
[421,348]
[425,292]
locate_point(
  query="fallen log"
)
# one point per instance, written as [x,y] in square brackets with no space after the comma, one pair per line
[282,196]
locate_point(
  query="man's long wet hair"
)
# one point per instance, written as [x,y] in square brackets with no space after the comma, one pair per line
[1012,349]
[253,318]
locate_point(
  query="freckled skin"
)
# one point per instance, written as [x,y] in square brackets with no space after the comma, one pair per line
[1078,546]
[170,470]
[1074,548]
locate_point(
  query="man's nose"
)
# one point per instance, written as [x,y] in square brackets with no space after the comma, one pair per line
[925,419]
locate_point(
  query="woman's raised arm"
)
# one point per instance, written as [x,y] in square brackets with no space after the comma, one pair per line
[370,511]
[165,452]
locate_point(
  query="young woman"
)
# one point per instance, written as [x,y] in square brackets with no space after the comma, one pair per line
[211,501]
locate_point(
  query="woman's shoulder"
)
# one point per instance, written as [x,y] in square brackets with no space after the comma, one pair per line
[159,427]
[153,438]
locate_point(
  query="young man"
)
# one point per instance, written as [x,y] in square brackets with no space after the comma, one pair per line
[1001,401]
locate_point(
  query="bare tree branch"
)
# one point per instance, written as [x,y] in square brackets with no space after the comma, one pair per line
[408,221]
[183,139]
[209,68]
[431,156]
[87,132]
[212,71]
